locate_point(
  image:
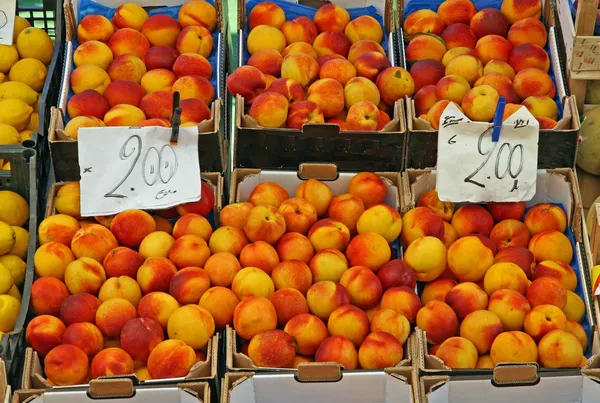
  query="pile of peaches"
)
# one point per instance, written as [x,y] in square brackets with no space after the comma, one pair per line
[499,285]
[472,58]
[127,69]
[325,70]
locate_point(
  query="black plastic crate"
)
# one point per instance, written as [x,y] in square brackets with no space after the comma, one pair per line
[43,16]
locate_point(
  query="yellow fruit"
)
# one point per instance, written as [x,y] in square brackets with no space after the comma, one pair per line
[68,200]
[36,108]
[21,243]
[35,43]
[8,135]
[6,280]
[15,112]
[15,89]
[2,77]
[34,122]
[29,71]
[25,135]
[7,238]
[8,57]
[14,209]
[9,311]
[14,292]
[20,24]
[6,167]
[16,267]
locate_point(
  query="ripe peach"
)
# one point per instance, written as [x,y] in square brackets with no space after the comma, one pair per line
[262,109]
[481,328]
[456,11]
[289,88]
[380,350]
[393,84]
[317,193]
[465,298]
[58,228]
[66,365]
[94,27]
[156,274]
[505,276]
[194,87]
[123,92]
[194,39]
[515,11]
[189,284]
[364,27]
[89,77]
[84,275]
[510,233]
[560,349]
[157,306]
[424,99]
[520,256]
[450,235]
[297,31]
[431,200]
[191,324]
[127,67]
[93,52]
[547,290]
[423,21]
[111,362]
[129,15]
[158,80]
[291,274]
[272,348]
[368,187]
[480,103]
[545,217]
[423,47]
[577,330]
[451,88]
[469,259]
[466,66]
[300,47]
[161,30]
[363,286]
[338,349]
[259,254]
[47,296]
[331,17]
[511,307]
[328,94]
[156,244]
[252,281]
[268,61]
[44,333]
[402,300]
[308,332]
[506,211]
[85,336]
[299,215]
[559,271]
[424,72]
[295,246]
[528,30]
[192,64]
[513,346]
[350,322]
[194,224]
[542,106]
[360,89]
[247,81]
[542,319]
[234,215]
[112,315]
[546,123]
[197,12]
[329,233]
[420,222]
[124,115]
[529,55]
[472,219]
[575,308]
[79,308]
[437,290]
[130,227]
[288,303]
[501,84]
[221,268]
[369,249]
[455,52]
[459,35]
[300,67]
[458,352]
[532,81]
[361,47]
[438,320]
[129,41]
[220,302]
[325,297]
[363,116]
[189,250]
[228,239]
[88,103]
[551,245]
[266,13]
[389,321]
[264,223]
[72,128]
[489,21]
[380,219]
[121,287]
[140,336]
[340,70]
[171,359]
[254,315]
[499,67]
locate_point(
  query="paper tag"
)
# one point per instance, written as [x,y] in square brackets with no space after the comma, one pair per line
[137,168]
[8,9]
[473,168]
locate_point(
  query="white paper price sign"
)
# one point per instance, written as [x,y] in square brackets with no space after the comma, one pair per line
[137,168]
[8,9]
[473,168]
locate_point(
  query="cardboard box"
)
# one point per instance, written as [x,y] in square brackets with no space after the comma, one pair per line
[269,148]
[556,148]
[120,389]
[64,149]
[322,383]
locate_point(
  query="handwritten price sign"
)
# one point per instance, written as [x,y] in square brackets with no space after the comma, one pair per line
[473,168]
[137,168]
[8,9]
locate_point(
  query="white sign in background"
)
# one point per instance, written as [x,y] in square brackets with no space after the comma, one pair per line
[137,168]
[8,9]
[473,168]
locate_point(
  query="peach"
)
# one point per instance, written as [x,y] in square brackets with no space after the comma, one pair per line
[511,307]
[112,315]
[140,336]
[121,287]
[450,235]
[532,81]
[500,83]
[264,223]
[455,52]
[189,250]
[364,27]
[158,80]
[543,319]
[513,346]
[272,348]
[559,271]
[191,324]
[402,300]
[510,233]
[189,284]
[431,200]
[52,259]
[505,276]
[472,219]
[198,12]
[295,246]
[128,41]
[500,67]
[111,362]
[546,123]
[423,47]
[420,222]
[123,92]
[493,47]
[84,275]
[58,228]
[192,64]
[545,217]
[288,303]
[456,11]
[363,116]
[309,26]
[423,21]
[424,72]
[263,106]
[394,83]
[157,306]
[93,52]
[88,103]
[266,13]
[291,274]
[466,66]
[234,215]
[161,30]
[299,214]
[575,308]
[308,332]
[195,39]
[171,359]
[437,290]
[380,350]
[485,361]
[340,70]
[247,81]
[297,31]
[66,365]
[358,49]
[380,219]
[220,302]
[506,211]
[542,106]
[368,187]
[317,193]
[489,21]
[129,15]
[481,328]
[529,55]
[577,330]
[480,103]
[560,349]
[469,259]
[156,274]
[72,128]
[331,17]
[127,67]
[79,308]
[228,239]
[300,67]
[259,254]
[289,88]
[94,27]
[465,298]
[438,320]
[551,245]
[300,47]
[44,333]
[450,88]
[425,98]
[389,321]
[193,224]
[89,77]
[520,256]
[221,268]
[547,290]
[515,11]
[328,265]
[325,297]
[458,352]
[195,87]
[124,115]
[363,286]
[268,61]
[85,336]
[265,37]
[329,233]
[528,30]
[130,227]
[350,322]
[254,315]
[122,261]
[338,349]
[328,95]
[47,296]
[252,281]
[369,249]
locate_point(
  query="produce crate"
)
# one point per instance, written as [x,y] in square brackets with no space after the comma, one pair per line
[556,147]
[63,148]
[122,389]
[322,382]
[22,180]
[255,146]
[558,186]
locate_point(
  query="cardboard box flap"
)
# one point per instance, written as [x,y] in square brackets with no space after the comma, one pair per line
[319,372]
[145,395]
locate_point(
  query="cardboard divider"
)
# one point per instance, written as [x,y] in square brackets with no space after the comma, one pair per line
[63,148]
